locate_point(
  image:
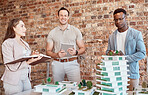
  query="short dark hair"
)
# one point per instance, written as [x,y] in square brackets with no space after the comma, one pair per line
[62,8]
[119,10]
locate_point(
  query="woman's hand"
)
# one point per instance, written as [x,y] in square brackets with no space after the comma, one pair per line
[34,59]
[35,52]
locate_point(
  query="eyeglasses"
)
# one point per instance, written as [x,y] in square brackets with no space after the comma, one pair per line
[120,19]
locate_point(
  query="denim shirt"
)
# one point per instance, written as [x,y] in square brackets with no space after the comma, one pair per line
[134,49]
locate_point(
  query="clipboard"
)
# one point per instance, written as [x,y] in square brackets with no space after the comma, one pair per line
[25,58]
[65,47]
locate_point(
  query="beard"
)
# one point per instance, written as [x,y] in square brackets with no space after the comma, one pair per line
[120,26]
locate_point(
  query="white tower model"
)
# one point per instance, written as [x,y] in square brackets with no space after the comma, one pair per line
[112,77]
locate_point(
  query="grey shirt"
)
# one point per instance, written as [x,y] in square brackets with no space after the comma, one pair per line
[69,36]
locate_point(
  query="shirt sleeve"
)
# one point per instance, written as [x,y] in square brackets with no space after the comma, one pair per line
[49,37]
[79,34]
[109,47]
[7,51]
[140,50]
[8,56]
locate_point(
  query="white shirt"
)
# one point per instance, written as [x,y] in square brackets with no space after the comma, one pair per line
[121,36]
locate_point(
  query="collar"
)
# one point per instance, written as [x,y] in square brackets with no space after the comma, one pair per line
[68,27]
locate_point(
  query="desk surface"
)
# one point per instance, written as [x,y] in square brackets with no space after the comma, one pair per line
[31,92]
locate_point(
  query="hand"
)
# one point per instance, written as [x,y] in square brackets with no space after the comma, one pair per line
[62,53]
[34,59]
[111,52]
[35,52]
[71,51]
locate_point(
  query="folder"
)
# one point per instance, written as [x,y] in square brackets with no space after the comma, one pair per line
[25,58]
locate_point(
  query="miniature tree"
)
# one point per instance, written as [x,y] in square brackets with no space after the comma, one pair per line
[116,52]
[79,85]
[43,82]
[89,84]
[56,83]
[144,85]
[49,80]
[110,53]
[84,82]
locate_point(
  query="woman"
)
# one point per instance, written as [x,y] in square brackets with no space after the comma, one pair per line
[16,76]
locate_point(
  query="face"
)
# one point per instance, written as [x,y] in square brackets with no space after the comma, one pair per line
[120,20]
[63,17]
[20,29]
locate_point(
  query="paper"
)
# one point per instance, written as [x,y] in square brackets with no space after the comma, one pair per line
[65,47]
[25,58]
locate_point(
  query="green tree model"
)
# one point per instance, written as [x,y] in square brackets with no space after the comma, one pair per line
[56,83]
[49,80]
[89,84]
[84,82]
[43,82]
[79,85]
[144,85]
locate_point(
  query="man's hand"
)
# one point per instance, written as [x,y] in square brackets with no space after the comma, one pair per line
[71,51]
[112,53]
[62,53]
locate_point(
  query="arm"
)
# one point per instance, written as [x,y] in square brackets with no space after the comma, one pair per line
[8,55]
[140,50]
[79,42]
[81,50]
[108,48]
[81,46]
[7,52]
[49,47]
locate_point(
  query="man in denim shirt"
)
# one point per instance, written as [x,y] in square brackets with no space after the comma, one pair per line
[130,42]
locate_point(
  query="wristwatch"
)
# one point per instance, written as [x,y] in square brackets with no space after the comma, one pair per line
[76,52]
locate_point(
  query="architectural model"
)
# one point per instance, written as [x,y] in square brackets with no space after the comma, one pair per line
[84,88]
[112,77]
[49,89]
[69,84]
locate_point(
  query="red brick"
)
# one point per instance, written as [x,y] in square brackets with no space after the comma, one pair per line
[145,13]
[99,1]
[106,16]
[93,18]
[131,6]
[140,23]
[137,1]
[111,0]
[105,1]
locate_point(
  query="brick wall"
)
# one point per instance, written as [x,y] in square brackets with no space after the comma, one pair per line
[93,17]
